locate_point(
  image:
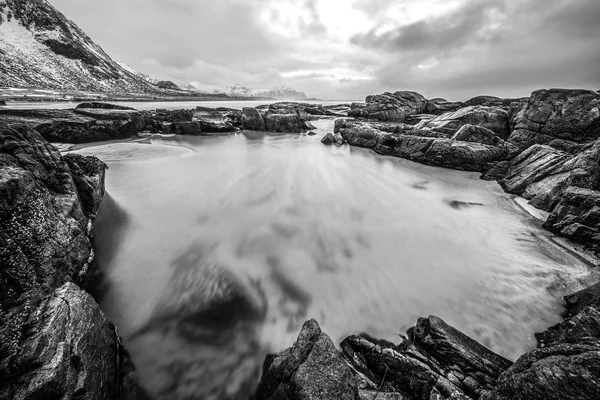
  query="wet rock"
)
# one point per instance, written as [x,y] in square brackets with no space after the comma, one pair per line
[54,340]
[70,350]
[173,115]
[311,133]
[103,106]
[476,134]
[588,297]
[311,369]
[252,119]
[332,138]
[584,326]
[577,217]
[218,120]
[443,152]
[567,114]
[446,125]
[390,106]
[452,348]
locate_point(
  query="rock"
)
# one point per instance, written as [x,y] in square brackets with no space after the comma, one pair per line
[70,351]
[476,134]
[584,326]
[562,371]
[588,297]
[103,106]
[188,128]
[447,125]
[252,120]
[452,348]
[312,369]
[312,133]
[441,106]
[331,138]
[577,217]
[567,114]
[173,115]
[390,106]
[54,340]
[2,103]
[440,152]
[492,101]
[218,120]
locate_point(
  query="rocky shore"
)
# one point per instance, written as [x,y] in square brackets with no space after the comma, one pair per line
[55,342]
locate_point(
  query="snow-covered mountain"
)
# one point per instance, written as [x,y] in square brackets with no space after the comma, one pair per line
[238,90]
[139,74]
[40,47]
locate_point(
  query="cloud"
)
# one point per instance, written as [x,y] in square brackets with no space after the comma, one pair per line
[332,49]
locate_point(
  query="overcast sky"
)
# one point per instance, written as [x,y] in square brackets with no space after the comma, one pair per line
[347,49]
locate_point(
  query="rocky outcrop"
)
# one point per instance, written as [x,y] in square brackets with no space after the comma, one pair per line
[390,106]
[436,361]
[444,152]
[448,124]
[311,370]
[556,116]
[54,340]
[276,118]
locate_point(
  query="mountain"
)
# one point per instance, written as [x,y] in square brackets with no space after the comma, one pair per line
[40,47]
[278,93]
[139,74]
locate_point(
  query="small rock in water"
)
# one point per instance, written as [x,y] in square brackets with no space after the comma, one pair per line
[311,133]
[332,138]
[457,204]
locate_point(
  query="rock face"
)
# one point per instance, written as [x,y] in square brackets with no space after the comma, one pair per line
[494,119]
[54,340]
[278,117]
[555,115]
[390,106]
[310,370]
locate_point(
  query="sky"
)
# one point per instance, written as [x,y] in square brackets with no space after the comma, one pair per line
[347,49]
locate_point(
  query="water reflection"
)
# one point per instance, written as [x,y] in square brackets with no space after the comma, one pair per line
[229,249]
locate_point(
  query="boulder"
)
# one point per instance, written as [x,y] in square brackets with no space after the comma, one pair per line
[566,114]
[390,106]
[447,125]
[252,119]
[476,134]
[312,369]
[332,138]
[588,297]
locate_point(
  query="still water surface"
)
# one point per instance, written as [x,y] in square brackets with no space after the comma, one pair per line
[298,230]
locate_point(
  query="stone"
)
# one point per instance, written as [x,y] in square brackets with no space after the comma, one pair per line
[312,369]
[252,119]
[447,125]
[584,326]
[476,134]
[567,114]
[312,133]
[390,106]
[588,297]
[332,138]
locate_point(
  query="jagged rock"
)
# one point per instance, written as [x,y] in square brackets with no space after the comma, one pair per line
[587,297]
[310,370]
[70,351]
[103,106]
[452,348]
[311,133]
[390,106]
[441,106]
[440,152]
[577,217]
[54,340]
[252,120]
[584,326]
[476,134]
[567,114]
[332,138]
[446,125]
[492,101]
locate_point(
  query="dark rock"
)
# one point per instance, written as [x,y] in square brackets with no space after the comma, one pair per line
[584,326]
[103,106]
[577,217]
[2,103]
[588,297]
[54,340]
[476,134]
[451,348]
[447,125]
[492,101]
[390,106]
[332,138]
[440,152]
[173,115]
[441,106]
[311,133]
[252,120]
[312,369]
[566,114]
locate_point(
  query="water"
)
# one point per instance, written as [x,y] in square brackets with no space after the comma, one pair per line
[298,230]
[170,105]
